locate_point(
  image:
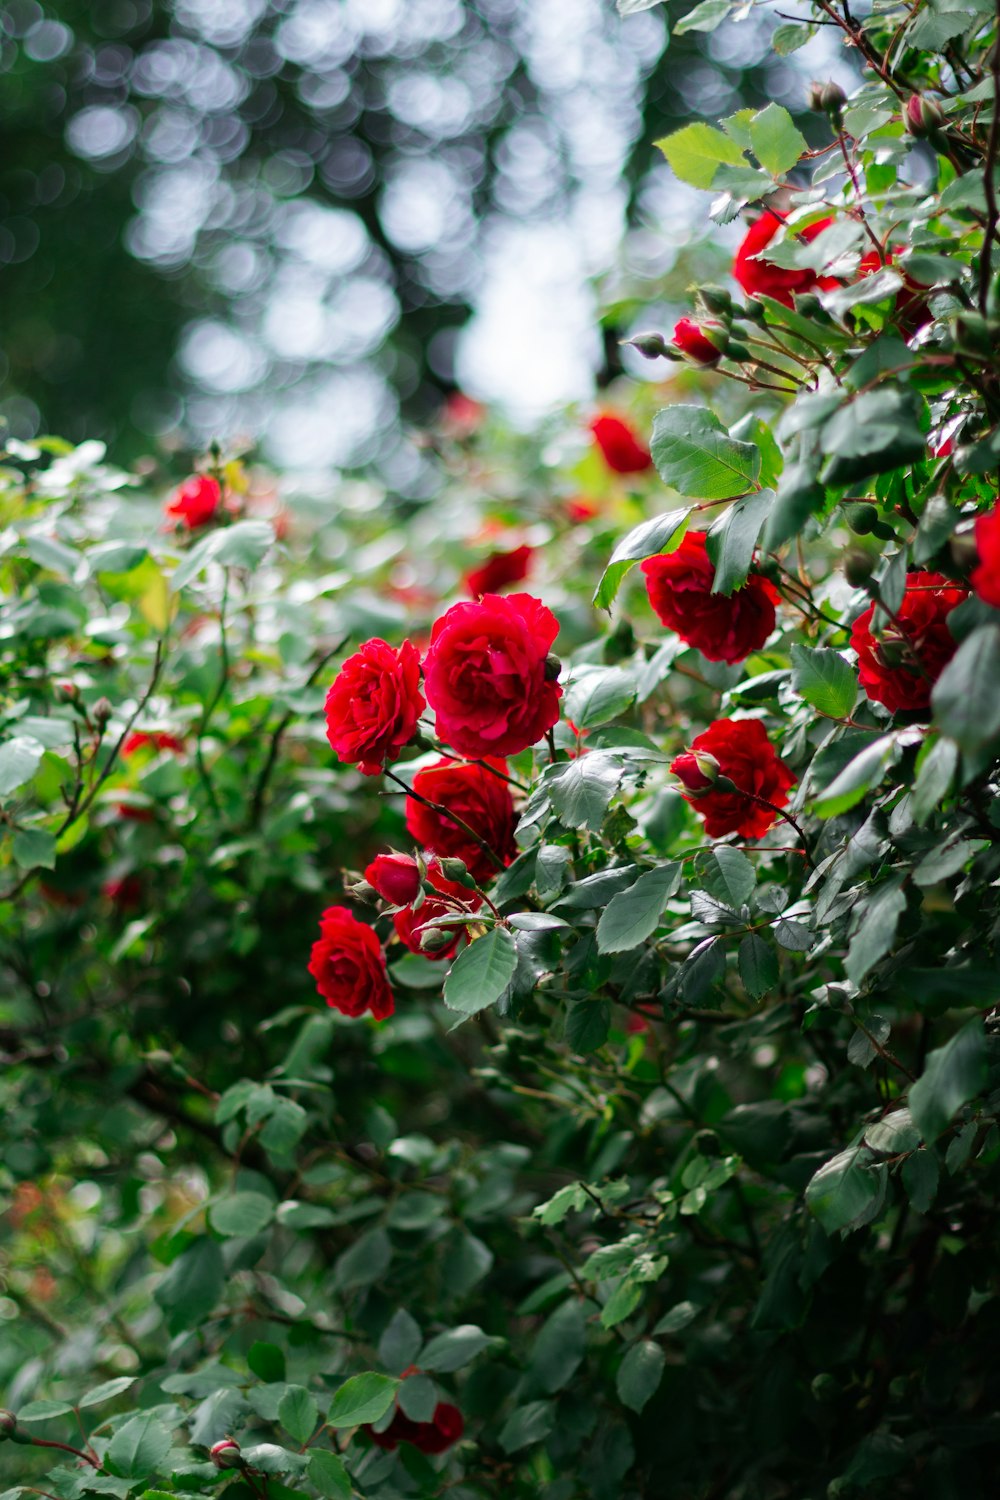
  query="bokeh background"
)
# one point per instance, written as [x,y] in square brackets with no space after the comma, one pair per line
[302,223]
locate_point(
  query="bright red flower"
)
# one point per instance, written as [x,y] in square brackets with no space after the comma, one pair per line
[581,509]
[125,894]
[499,570]
[436,1436]
[462,415]
[487,676]
[135,812]
[195,502]
[986,575]
[723,628]
[621,448]
[348,966]
[159,741]
[412,922]
[373,705]
[746,758]
[911,306]
[480,799]
[887,663]
[761,277]
[395,877]
[690,338]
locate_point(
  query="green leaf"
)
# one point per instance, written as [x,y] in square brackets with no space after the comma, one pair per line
[241,1214]
[733,537]
[893,1134]
[921,1174]
[20,758]
[269,1458]
[559,1348]
[266,1361]
[597,695]
[953,1074]
[35,849]
[935,776]
[800,495]
[861,1049]
[965,700]
[418,1398]
[400,1343]
[622,1303]
[193,1284]
[878,431]
[860,776]
[694,454]
[581,790]
[876,934]
[696,151]
[298,1414]
[239,546]
[649,539]
[847,1191]
[587,1025]
[705,16]
[758,964]
[633,915]
[527,1425]
[727,875]
[362,1399]
[139,1447]
[481,972]
[825,680]
[106,1391]
[568,1200]
[454,1348]
[775,141]
[640,1373]
[42,1411]
[364,1261]
[327,1473]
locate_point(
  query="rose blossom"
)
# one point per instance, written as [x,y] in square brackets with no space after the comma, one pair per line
[348,966]
[436,1436]
[395,877]
[746,758]
[620,447]
[722,627]
[159,741]
[373,705]
[762,277]
[499,570]
[482,801]
[887,666]
[486,674]
[691,339]
[195,502]
[986,576]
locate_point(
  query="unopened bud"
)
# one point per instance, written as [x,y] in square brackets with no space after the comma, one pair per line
[923,117]
[101,712]
[703,343]
[455,870]
[226,1454]
[754,312]
[66,692]
[696,770]
[650,346]
[858,566]
[435,939]
[361,890]
[828,99]
[963,550]
[861,518]
[8,1425]
[715,300]
[553,666]
[737,352]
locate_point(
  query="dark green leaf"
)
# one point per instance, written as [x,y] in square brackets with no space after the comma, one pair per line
[965,699]
[758,965]
[362,1398]
[695,455]
[326,1472]
[633,915]
[481,972]
[453,1349]
[139,1447]
[648,539]
[825,680]
[733,538]
[298,1414]
[953,1075]
[639,1374]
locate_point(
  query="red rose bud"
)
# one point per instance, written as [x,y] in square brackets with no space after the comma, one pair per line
[348,966]
[395,877]
[196,501]
[650,346]
[66,692]
[620,447]
[226,1454]
[499,570]
[696,770]
[922,117]
[704,343]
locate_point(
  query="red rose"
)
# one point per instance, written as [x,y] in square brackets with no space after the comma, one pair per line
[621,448]
[348,966]
[691,339]
[195,502]
[723,628]
[461,415]
[986,577]
[373,705]
[135,812]
[436,1436]
[911,307]
[745,758]
[761,277]
[886,663]
[581,509]
[139,741]
[412,922]
[395,877]
[125,894]
[499,569]
[482,801]
[486,674]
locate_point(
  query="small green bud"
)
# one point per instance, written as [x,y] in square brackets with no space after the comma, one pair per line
[553,666]
[828,99]
[435,939]
[715,300]
[861,518]
[455,870]
[858,567]
[650,346]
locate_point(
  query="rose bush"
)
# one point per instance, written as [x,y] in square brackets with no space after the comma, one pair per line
[431,1068]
